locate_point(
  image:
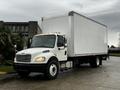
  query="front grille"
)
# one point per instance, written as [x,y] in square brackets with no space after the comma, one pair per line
[23,58]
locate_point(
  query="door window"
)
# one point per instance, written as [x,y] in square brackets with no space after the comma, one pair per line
[61,41]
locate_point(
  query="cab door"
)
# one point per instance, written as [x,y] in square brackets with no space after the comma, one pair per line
[62,48]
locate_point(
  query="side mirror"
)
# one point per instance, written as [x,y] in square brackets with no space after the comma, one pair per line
[15,46]
[65,45]
[29,43]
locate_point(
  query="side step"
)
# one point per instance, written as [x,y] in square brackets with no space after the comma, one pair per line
[66,66]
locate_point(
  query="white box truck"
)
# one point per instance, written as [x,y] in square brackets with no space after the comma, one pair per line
[72,38]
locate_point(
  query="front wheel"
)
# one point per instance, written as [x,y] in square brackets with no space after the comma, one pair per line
[52,70]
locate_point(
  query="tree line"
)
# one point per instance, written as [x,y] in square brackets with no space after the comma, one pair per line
[8,40]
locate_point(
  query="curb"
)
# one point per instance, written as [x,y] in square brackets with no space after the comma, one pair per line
[2,73]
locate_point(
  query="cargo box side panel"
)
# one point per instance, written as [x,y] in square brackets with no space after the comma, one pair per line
[62,25]
[89,37]
[56,24]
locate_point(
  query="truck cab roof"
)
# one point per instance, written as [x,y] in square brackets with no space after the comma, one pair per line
[50,34]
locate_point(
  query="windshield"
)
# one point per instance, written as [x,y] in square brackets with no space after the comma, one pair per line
[47,41]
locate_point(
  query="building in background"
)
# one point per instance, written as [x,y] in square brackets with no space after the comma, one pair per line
[26,29]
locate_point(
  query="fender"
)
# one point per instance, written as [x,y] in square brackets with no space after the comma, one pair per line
[52,58]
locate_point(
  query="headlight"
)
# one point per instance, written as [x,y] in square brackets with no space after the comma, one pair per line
[39,59]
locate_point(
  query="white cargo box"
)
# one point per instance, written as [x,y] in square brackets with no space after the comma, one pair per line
[84,35]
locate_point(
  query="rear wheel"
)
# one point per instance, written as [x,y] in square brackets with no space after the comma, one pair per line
[95,62]
[52,70]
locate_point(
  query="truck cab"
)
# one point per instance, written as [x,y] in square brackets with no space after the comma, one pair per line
[44,55]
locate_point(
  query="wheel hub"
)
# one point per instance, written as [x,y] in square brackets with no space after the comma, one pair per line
[53,70]
[97,61]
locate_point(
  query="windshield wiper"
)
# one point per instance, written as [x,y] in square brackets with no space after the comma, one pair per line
[41,46]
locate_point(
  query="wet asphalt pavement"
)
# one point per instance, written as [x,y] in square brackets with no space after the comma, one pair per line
[106,77]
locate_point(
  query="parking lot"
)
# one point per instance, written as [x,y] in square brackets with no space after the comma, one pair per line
[106,77]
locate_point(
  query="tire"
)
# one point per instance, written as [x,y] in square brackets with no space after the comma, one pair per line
[52,70]
[100,62]
[76,64]
[23,73]
[95,62]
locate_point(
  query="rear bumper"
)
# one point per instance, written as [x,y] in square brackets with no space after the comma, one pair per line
[30,67]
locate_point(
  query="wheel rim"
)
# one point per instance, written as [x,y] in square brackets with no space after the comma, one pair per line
[97,61]
[53,70]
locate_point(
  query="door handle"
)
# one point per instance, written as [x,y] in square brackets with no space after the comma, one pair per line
[65,52]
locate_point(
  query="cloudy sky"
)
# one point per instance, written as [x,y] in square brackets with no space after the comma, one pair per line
[104,11]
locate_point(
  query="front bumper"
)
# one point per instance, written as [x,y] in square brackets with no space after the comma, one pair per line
[30,67]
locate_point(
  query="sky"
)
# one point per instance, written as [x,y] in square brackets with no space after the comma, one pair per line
[104,11]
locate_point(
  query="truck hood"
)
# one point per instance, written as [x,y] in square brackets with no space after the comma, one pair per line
[34,51]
